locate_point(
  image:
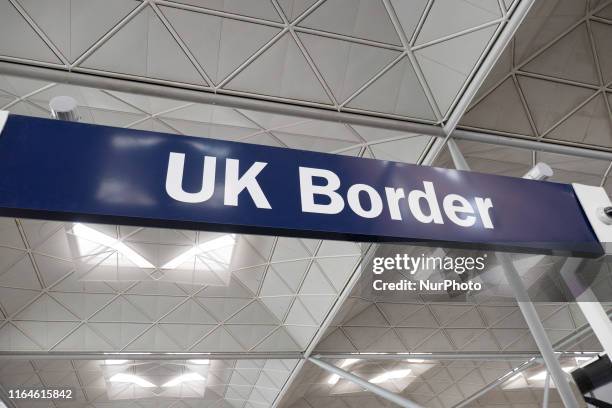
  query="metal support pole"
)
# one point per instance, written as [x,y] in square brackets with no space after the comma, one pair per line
[537,331]
[381,392]
[505,36]
[591,308]
[496,383]
[546,391]
[528,310]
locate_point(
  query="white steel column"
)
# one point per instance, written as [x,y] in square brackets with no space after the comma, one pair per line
[527,309]
[381,392]
[546,391]
[590,306]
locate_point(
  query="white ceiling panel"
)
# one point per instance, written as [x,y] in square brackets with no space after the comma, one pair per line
[238,47]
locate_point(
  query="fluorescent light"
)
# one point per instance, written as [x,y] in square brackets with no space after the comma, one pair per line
[132,379]
[390,375]
[334,378]
[184,378]
[348,362]
[542,374]
[414,360]
[202,362]
[218,253]
[91,234]
[115,362]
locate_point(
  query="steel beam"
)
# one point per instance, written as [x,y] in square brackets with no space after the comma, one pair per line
[590,306]
[548,146]
[517,15]
[528,310]
[496,383]
[56,355]
[381,392]
[546,391]
[196,95]
[444,356]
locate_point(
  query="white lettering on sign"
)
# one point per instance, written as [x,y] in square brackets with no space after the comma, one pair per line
[319,194]
[366,202]
[234,183]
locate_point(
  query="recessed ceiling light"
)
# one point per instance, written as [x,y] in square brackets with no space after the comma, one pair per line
[542,374]
[201,362]
[115,362]
[217,253]
[90,234]
[184,378]
[390,375]
[132,379]
[334,378]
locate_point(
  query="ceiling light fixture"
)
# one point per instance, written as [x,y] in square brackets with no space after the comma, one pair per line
[541,376]
[115,362]
[334,378]
[132,379]
[390,375]
[184,378]
[200,362]
[218,253]
[415,360]
[88,233]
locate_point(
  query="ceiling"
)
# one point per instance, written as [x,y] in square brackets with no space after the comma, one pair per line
[227,383]
[385,58]
[430,383]
[561,52]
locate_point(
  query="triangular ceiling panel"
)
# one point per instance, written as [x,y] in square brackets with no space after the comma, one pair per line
[409,13]
[47,309]
[335,341]
[76,25]
[20,275]
[249,335]
[590,124]
[13,300]
[448,64]
[84,338]
[569,58]
[29,45]
[414,336]
[501,110]
[154,339]
[601,35]
[544,23]
[145,47]
[186,335]
[294,8]
[397,91]
[345,65]
[538,94]
[404,151]
[278,305]
[219,45]
[282,70]
[252,8]
[362,19]
[447,17]
[280,340]
[47,334]
[605,12]
[190,312]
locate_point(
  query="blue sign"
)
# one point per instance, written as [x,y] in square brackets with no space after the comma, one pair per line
[75,171]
